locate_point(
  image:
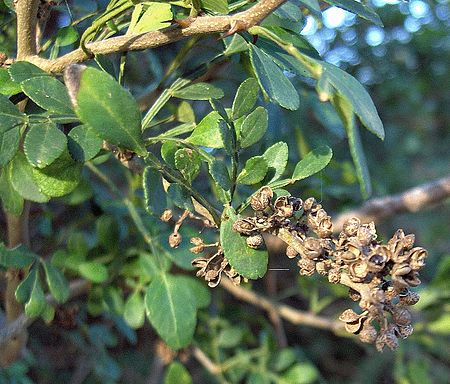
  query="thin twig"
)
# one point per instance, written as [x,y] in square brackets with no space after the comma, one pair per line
[411,200]
[196,26]
[288,313]
[205,361]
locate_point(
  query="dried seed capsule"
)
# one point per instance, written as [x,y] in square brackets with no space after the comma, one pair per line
[307,267]
[283,207]
[244,226]
[196,240]
[354,295]
[368,334]
[391,340]
[309,203]
[255,241]
[410,298]
[404,331]
[291,252]
[401,316]
[334,276]
[321,268]
[350,227]
[296,203]
[175,240]
[349,316]
[417,256]
[261,199]
[166,215]
[197,249]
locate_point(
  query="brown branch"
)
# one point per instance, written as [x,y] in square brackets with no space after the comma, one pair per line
[197,26]
[288,313]
[411,200]
[16,328]
[26,11]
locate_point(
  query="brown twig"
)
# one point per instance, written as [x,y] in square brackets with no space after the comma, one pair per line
[196,26]
[288,313]
[411,200]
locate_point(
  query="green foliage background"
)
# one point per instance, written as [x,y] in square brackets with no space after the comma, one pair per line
[407,75]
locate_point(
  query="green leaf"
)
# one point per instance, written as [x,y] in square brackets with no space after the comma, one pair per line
[345,111]
[180,197]
[254,171]
[59,178]
[18,257]
[36,303]
[219,172]
[24,70]
[168,150]
[171,309]
[43,144]
[49,93]
[254,127]
[276,157]
[176,373]
[230,337]
[48,314]
[199,290]
[156,16]
[199,91]
[134,313]
[207,133]
[250,263]
[108,233]
[300,373]
[10,116]
[188,162]
[21,176]
[110,110]
[84,143]
[289,11]
[185,113]
[57,283]
[235,44]
[272,79]
[9,144]
[93,271]
[154,194]
[12,200]
[313,162]
[23,290]
[245,98]
[7,85]
[358,9]
[351,89]
[66,35]
[217,6]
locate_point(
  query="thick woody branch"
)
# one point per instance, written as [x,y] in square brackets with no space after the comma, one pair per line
[197,26]
[411,200]
[14,329]
[288,313]
[26,11]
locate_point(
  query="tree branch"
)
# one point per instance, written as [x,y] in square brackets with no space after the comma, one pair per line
[288,313]
[411,200]
[197,26]
[26,11]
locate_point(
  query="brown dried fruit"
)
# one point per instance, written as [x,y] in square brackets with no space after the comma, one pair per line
[368,334]
[401,316]
[409,298]
[255,241]
[244,226]
[175,240]
[261,199]
[350,227]
[166,215]
[291,252]
[417,256]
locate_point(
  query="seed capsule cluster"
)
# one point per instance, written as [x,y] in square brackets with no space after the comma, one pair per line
[379,275]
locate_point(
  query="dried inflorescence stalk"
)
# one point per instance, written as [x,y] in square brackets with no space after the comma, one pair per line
[379,275]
